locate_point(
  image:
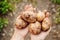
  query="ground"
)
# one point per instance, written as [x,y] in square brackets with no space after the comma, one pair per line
[41,5]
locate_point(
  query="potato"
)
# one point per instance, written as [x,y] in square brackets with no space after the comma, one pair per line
[47,14]
[30,8]
[20,23]
[40,16]
[29,16]
[46,24]
[34,28]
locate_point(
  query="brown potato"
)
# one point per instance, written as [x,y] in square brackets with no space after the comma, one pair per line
[47,14]
[20,23]
[30,8]
[29,16]
[35,28]
[40,16]
[46,24]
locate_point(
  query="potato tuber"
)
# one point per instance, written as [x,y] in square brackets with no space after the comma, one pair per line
[29,16]
[47,14]
[34,19]
[30,8]
[35,28]
[20,23]
[46,24]
[40,16]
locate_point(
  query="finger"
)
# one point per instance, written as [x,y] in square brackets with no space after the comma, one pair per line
[44,34]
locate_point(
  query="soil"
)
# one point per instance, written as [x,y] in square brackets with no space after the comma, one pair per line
[8,30]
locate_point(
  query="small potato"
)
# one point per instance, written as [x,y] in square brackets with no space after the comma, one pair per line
[20,23]
[30,8]
[29,16]
[34,28]
[47,14]
[40,16]
[46,24]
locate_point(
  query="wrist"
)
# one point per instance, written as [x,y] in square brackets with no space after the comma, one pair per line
[16,36]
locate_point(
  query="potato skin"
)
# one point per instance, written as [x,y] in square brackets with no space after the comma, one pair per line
[40,16]
[34,28]
[29,16]
[28,7]
[47,13]
[46,24]
[20,24]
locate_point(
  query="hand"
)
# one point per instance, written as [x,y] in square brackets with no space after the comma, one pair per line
[41,36]
[21,32]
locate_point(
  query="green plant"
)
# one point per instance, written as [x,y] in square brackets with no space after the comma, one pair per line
[56,1]
[57,16]
[3,22]
[5,6]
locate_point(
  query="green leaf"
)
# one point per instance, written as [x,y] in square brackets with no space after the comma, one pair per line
[5,6]
[5,0]
[5,21]
[1,26]
[0,20]
[58,1]
[54,1]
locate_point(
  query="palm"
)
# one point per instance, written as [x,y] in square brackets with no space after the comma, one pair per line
[41,36]
[22,32]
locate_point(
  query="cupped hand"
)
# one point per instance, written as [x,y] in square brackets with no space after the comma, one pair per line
[21,32]
[41,36]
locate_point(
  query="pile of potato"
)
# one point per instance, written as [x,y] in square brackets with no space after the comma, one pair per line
[35,20]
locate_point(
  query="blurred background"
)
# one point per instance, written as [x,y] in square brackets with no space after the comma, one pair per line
[10,9]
